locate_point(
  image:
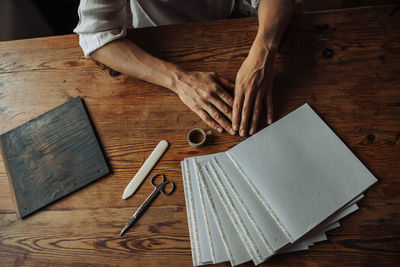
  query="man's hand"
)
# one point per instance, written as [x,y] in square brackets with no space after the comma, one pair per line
[254,79]
[253,86]
[205,94]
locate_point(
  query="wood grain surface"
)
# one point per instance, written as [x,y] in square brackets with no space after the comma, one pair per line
[51,156]
[345,64]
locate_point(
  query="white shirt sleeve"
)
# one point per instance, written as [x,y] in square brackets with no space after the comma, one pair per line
[255,3]
[100,22]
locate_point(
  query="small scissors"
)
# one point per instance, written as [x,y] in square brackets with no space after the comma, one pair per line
[158,188]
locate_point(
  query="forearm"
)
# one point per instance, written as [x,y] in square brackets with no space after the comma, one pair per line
[274,17]
[202,92]
[255,76]
[126,57]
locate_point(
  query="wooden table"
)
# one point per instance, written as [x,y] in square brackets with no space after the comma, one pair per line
[345,64]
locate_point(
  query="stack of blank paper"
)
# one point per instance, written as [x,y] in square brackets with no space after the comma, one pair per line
[278,191]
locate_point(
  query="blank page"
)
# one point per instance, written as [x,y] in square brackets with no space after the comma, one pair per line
[301,171]
[265,225]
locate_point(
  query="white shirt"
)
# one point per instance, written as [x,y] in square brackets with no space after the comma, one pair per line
[103,21]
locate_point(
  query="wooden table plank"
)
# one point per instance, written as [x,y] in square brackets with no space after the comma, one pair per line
[345,64]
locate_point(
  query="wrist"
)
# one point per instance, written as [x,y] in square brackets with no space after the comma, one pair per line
[265,43]
[176,77]
[260,51]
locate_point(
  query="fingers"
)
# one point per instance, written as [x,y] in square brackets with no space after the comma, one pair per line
[218,117]
[214,118]
[227,98]
[204,93]
[221,103]
[224,82]
[258,107]
[221,106]
[222,94]
[246,110]
[256,112]
[237,109]
[207,119]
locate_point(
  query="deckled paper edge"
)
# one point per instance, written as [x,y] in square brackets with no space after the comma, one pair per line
[213,209]
[203,207]
[239,225]
[216,162]
[262,199]
[189,210]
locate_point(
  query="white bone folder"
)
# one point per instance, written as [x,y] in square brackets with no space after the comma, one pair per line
[145,169]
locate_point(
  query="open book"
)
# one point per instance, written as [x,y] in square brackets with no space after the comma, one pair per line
[278,191]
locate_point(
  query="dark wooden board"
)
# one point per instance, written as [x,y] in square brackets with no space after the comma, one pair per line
[51,156]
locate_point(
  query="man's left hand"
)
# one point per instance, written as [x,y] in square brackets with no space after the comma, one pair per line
[253,86]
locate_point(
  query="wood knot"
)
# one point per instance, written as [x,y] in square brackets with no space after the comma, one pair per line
[327,53]
[370,138]
[114,73]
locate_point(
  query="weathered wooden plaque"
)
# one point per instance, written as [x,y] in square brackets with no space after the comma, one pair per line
[51,156]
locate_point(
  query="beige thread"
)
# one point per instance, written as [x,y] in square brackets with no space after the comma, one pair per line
[251,248]
[235,192]
[207,224]
[188,211]
[196,234]
[213,209]
[263,201]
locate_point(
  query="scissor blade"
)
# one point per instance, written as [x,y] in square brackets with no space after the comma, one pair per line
[140,210]
[126,227]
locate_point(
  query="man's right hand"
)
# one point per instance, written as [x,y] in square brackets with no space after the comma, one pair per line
[205,93]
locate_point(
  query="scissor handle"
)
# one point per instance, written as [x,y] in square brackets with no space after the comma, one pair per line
[162,184]
[153,179]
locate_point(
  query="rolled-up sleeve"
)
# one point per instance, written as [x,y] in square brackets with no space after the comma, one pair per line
[100,22]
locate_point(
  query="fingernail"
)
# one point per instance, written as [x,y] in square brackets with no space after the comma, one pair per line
[231,131]
[242,133]
[269,121]
[252,131]
[219,130]
[235,127]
